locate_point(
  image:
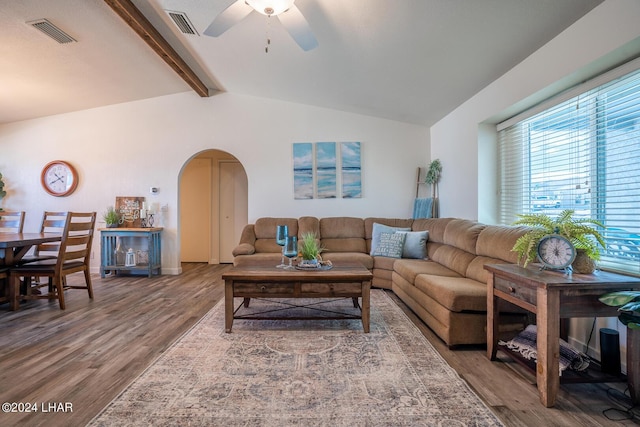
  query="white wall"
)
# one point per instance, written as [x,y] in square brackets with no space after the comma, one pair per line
[607,36]
[124,149]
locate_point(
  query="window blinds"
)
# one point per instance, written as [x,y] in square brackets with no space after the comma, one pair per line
[580,153]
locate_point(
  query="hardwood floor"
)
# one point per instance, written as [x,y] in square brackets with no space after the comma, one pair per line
[88,353]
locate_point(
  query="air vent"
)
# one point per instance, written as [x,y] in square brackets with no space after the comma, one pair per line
[52,31]
[182,22]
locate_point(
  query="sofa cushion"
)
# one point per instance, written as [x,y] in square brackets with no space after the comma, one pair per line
[496,241]
[390,245]
[308,224]
[453,258]
[476,269]
[410,268]
[435,226]
[463,234]
[342,234]
[454,293]
[349,258]
[377,231]
[265,231]
[415,244]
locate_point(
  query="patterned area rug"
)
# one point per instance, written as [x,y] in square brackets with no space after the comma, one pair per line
[300,373]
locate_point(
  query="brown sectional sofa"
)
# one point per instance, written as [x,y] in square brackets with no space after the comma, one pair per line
[447,290]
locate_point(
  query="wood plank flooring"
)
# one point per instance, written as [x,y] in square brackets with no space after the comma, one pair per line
[88,353]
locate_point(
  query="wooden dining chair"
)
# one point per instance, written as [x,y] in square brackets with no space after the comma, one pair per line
[4,289]
[11,221]
[52,222]
[73,255]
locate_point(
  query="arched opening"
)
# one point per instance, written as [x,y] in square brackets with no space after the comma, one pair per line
[213,207]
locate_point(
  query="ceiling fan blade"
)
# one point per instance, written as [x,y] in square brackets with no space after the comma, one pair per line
[228,18]
[298,28]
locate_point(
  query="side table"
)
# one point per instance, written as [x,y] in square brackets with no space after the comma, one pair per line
[553,295]
[143,240]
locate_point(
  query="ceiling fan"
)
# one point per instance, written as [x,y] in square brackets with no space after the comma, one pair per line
[287,12]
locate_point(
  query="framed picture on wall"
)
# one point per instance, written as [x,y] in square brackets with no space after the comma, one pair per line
[303,170]
[351,170]
[326,170]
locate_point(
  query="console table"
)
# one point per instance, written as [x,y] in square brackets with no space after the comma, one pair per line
[553,295]
[145,241]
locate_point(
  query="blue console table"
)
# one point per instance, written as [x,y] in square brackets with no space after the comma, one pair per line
[144,242]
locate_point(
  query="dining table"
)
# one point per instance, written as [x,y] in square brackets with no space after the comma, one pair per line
[14,246]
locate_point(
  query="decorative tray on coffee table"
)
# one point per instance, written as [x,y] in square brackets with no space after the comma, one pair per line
[323,265]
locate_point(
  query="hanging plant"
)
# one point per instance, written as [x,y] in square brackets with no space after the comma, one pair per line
[433,173]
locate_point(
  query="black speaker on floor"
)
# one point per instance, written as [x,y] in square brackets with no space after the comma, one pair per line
[610,351]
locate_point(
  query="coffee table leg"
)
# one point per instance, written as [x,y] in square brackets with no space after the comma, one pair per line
[366,290]
[228,305]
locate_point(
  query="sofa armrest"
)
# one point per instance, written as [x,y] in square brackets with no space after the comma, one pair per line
[244,249]
[247,241]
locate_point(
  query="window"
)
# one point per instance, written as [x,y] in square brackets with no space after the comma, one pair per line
[582,153]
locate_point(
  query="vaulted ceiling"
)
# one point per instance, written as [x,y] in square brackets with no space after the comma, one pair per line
[407,60]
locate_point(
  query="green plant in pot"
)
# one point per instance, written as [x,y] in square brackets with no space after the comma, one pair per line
[2,192]
[310,249]
[629,306]
[111,217]
[581,232]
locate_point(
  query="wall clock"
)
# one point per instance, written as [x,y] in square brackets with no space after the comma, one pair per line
[59,178]
[556,252]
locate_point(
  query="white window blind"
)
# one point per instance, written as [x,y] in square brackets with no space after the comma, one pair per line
[583,153]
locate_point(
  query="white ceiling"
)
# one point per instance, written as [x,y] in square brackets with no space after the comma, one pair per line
[407,60]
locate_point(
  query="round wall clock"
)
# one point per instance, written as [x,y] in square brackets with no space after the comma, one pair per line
[556,252]
[59,178]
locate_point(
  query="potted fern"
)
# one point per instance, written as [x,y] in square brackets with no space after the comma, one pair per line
[629,306]
[581,232]
[310,249]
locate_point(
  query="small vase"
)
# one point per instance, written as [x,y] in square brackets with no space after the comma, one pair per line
[583,264]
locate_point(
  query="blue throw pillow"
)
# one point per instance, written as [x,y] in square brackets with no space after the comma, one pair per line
[390,245]
[415,244]
[381,228]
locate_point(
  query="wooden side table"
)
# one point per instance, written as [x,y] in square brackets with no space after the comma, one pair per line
[553,295]
[146,240]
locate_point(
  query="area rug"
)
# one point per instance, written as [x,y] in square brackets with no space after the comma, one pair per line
[300,373]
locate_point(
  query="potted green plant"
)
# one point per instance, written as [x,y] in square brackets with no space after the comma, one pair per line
[629,306]
[581,232]
[309,248]
[111,217]
[2,192]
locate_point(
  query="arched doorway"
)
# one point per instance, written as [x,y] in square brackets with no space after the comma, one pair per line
[213,207]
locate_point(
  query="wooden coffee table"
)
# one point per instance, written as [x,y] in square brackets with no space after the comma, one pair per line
[341,281]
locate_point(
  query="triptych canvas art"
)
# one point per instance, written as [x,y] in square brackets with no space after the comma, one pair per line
[320,169]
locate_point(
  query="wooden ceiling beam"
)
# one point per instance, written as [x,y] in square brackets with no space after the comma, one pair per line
[141,25]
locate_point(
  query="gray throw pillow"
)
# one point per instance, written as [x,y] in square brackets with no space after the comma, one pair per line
[390,245]
[415,244]
[381,228]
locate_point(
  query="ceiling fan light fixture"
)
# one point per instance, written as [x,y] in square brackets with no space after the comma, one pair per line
[270,7]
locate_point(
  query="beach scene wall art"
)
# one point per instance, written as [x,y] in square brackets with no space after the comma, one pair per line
[303,170]
[321,170]
[351,170]
[326,170]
